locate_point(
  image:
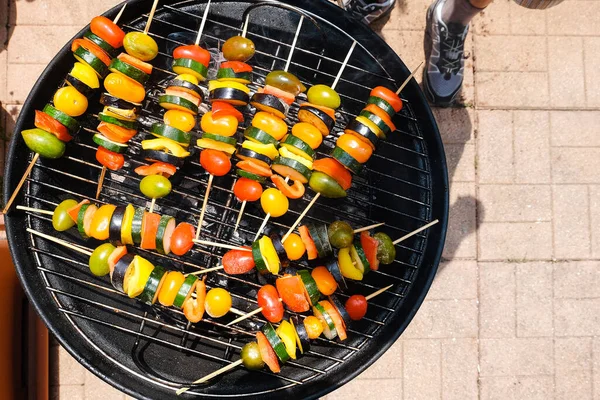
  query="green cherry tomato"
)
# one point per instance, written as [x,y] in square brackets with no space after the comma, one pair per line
[155,186]
[386,251]
[238,48]
[61,220]
[250,356]
[274,202]
[340,234]
[140,45]
[99,259]
[44,143]
[323,95]
[326,185]
[285,81]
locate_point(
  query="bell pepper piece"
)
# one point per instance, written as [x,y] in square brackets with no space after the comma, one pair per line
[267,250]
[237,66]
[73,212]
[149,230]
[137,276]
[254,168]
[110,159]
[222,109]
[116,133]
[311,248]
[294,191]
[335,170]
[165,144]
[370,246]
[193,309]
[347,267]
[165,169]
[49,124]
[267,353]
[287,334]
[291,291]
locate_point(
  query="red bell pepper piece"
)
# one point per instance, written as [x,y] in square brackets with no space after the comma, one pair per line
[370,246]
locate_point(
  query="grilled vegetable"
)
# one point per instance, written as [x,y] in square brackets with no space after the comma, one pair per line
[382,104]
[126,226]
[274,202]
[166,226]
[259,136]
[156,168]
[98,41]
[310,286]
[108,144]
[124,88]
[165,144]
[254,167]
[298,146]
[238,48]
[182,239]
[269,103]
[386,251]
[324,96]
[292,168]
[153,285]
[118,274]
[155,186]
[356,306]
[170,288]
[250,355]
[287,334]
[149,230]
[61,220]
[274,126]
[171,102]
[324,280]
[116,223]
[336,317]
[137,276]
[348,269]
[326,185]
[313,326]
[249,175]
[275,342]
[294,247]
[46,123]
[225,126]
[118,66]
[101,222]
[185,291]
[140,45]
[269,254]
[215,162]
[326,321]
[193,309]
[292,293]
[267,353]
[318,232]
[44,143]
[171,132]
[245,154]
[370,247]
[85,74]
[108,31]
[340,234]
[346,159]
[70,123]
[302,339]
[238,262]
[98,262]
[359,258]
[340,309]
[235,97]
[285,81]
[388,96]
[268,300]
[309,244]
[246,189]
[110,159]
[317,117]
[218,302]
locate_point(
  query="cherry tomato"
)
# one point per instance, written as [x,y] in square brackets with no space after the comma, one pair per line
[246,189]
[110,159]
[268,299]
[325,281]
[274,202]
[357,148]
[140,45]
[356,305]
[224,126]
[308,133]
[194,52]
[181,120]
[215,162]
[386,94]
[218,302]
[182,239]
[294,247]
[68,100]
[107,30]
[313,327]
[155,186]
[271,124]
[323,95]
[238,48]
[124,88]
[170,287]
[285,81]
[238,262]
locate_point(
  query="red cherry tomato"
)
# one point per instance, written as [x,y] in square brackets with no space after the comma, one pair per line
[268,299]
[182,239]
[386,94]
[356,306]
[194,52]
[108,31]
[246,189]
[238,262]
[215,162]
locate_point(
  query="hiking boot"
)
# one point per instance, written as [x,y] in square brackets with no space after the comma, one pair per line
[368,11]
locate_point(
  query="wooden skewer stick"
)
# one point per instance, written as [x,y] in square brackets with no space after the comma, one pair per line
[415,231]
[147,28]
[262,226]
[60,241]
[408,79]
[377,293]
[240,215]
[204,203]
[339,75]
[205,271]
[223,245]
[289,60]
[118,17]
[210,376]
[21,182]
[152,204]
[197,42]
[245,28]
[36,210]
[368,228]
[100,182]
[295,224]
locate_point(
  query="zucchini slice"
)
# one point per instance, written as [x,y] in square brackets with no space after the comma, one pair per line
[188,66]
[103,141]
[275,342]
[87,57]
[358,256]
[116,121]
[298,147]
[261,265]
[250,175]
[295,170]
[346,160]
[185,291]
[128,70]
[69,122]
[136,225]
[256,135]
[163,130]
[318,232]
[150,293]
[166,226]
[220,138]
[104,45]
[326,320]
[177,103]
[227,74]
[312,291]
[384,105]
[376,120]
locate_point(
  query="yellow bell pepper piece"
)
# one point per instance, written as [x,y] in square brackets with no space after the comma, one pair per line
[165,144]
[85,74]
[137,276]
[287,334]
[346,267]
[267,250]
[268,150]
[288,154]
[212,85]
[298,341]
[216,145]
[126,237]
[188,78]
[128,115]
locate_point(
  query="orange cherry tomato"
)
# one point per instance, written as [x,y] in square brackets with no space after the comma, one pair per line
[222,109]
[308,133]
[107,30]
[294,247]
[313,327]
[224,126]
[325,281]
[110,159]
[215,162]
[246,189]
[124,88]
[357,148]
[182,239]
[49,124]
[194,52]
[268,299]
[332,167]
[356,306]
[386,94]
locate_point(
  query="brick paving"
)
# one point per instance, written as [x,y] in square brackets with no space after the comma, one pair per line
[514,312]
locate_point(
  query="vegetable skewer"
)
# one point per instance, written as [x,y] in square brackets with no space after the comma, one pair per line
[54,126]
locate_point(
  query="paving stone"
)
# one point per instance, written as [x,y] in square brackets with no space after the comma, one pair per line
[517,388]
[596,367]
[595,219]
[408,45]
[49,12]
[571,222]
[11,114]
[389,366]
[565,68]
[531,147]
[572,355]
[534,299]
[456,124]
[582,18]
[577,279]
[422,372]
[67,392]
[523,356]
[67,370]
[48,41]
[591,55]
[461,236]
[21,78]
[3,66]
[444,319]
[575,128]
[97,7]
[512,89]
[516,203]
[510,53]
[455,279]
[493,20]
[577,317]
[459,369]
[97,389]
[575,385]
[576,165]
[495,156]
[408,15]
[518,241]
[497,300]
[383,389]
[461,162]
[524,21]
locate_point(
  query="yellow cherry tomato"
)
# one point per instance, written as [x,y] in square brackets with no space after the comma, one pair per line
[141,46]
[170,287]
[101,222]
[224,126]
[124,88]
[271,124]
[294,246]
[180,119]
[218,302]
[68,100]
[357,148]
[274,202]
[308,133]
[188,78]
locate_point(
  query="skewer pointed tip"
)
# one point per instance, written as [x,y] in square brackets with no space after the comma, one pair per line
[118,17]
[100,182]
[368,228]
[21,182]
[377,293]
[412,74]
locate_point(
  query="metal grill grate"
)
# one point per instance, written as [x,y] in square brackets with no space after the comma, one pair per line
[157,345]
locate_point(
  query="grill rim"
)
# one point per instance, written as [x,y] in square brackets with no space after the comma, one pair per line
[77,346]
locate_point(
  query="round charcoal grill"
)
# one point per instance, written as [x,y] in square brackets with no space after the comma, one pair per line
[148,352]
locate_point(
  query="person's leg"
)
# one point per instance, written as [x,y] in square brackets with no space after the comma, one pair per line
[447,27]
